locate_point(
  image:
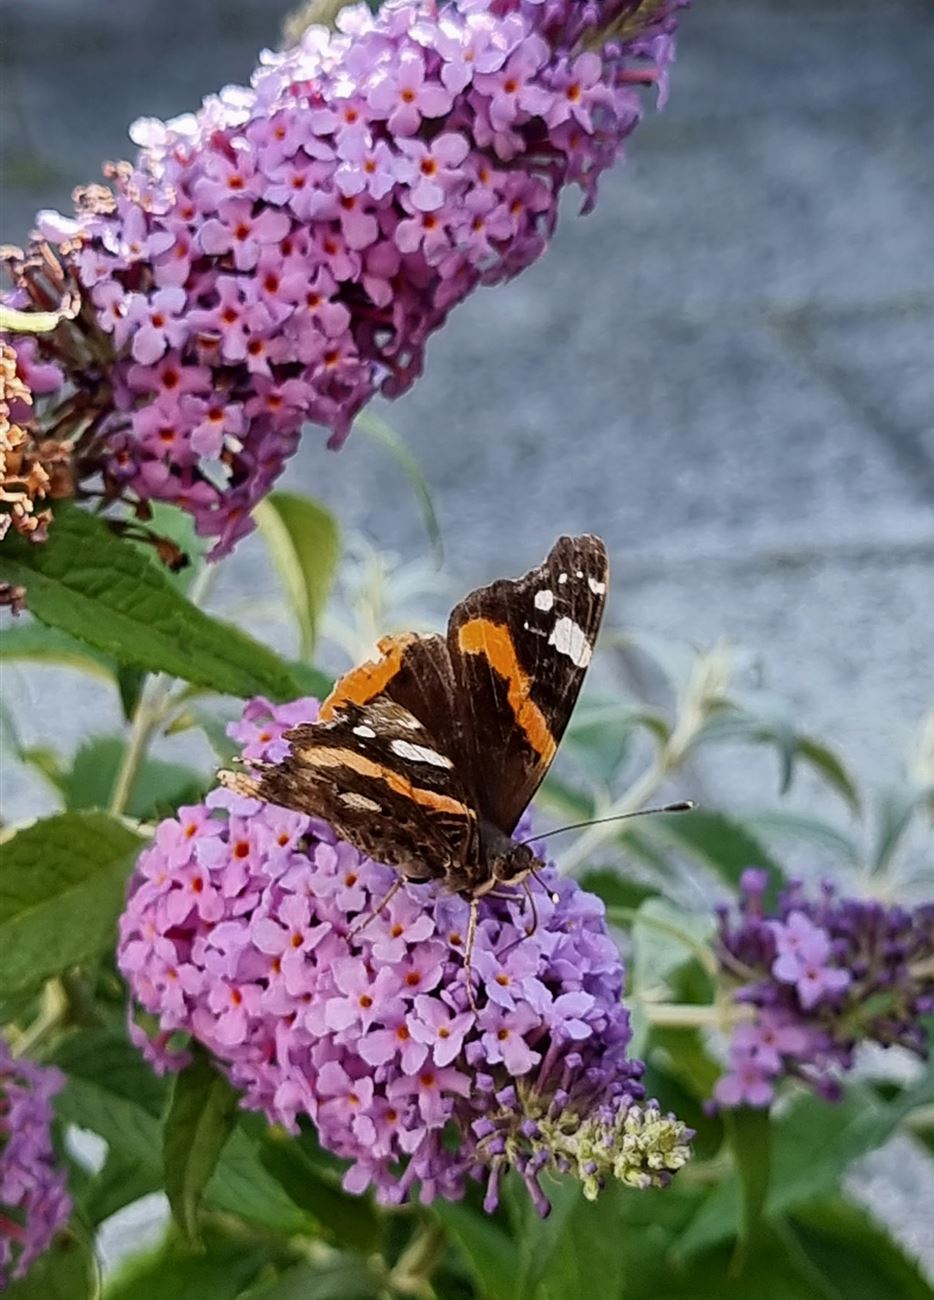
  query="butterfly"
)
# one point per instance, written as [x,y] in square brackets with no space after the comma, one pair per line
[427,757]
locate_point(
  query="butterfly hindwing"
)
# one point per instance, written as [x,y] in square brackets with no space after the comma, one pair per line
[519,651]
[379,777]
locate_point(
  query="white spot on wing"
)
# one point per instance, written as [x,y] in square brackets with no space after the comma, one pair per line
[419,753]
[562,578]
[358,801]
[598,588]
[579,573]
[363,730]
[569,639]
[544,600]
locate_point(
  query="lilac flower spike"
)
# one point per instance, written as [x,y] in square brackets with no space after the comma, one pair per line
[367,1030]
[34,1201]
[821,976]
[286,252]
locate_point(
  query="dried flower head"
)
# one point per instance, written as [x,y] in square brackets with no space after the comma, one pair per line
[31,469]
[243,928]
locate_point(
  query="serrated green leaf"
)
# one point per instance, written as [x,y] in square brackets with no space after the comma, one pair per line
[33,642]
[721,842]
[63,877]
[111,596]
[202,1114]
[158,788]
[304,542]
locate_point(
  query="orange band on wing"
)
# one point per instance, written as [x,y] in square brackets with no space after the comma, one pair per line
[492,640]
[366,682]
[349,758]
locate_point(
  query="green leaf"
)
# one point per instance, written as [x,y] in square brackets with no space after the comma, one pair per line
[342,1279]
[377,429]
[176,1272]
[721,843]
[785,824]
[897,805]
[749,1134]
[201,1117]
[67,1271]
[112,1091]
[828,764]
[813,1144]
[489,1254]
[130,683]
[119,601]
[304,542]
[62,886]
[348,1220]
[615,889]
[33,642]
[241,1186]
[876,1265]
[159,787]
[118,1183]
[663,938]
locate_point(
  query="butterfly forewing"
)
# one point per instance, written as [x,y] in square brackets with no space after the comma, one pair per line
[520,650]
[380,778]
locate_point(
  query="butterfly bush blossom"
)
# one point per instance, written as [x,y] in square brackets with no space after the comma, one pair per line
[286,252]
[34,1201]
[819,976]
[244,929]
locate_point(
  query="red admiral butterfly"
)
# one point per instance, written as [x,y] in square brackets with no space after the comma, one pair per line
[426,758]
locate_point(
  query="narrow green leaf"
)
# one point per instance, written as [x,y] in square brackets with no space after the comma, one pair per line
[897,805]
[119,601]
[62,886]
[749,1134]
[381,432]
[831,767]
[201,1117]
[786,824]
[489,1254]
[615,889]
[304,542]
[721,843]
[664,937]
[158,789]
[130,683]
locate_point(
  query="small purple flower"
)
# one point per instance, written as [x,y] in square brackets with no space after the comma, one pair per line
[34,1200]
[251,929]
[818,978]
[402,160]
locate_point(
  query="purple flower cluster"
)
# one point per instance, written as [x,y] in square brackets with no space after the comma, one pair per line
[286,252]
[818,978]
[244,928]
[34,1201]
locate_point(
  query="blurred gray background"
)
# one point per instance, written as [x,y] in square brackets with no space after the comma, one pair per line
[726,370]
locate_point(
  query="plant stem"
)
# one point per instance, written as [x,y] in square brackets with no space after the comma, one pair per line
[419,1260]
[622,915]
[51,1013]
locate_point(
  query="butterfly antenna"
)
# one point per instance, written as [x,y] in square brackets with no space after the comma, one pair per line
[684,805]
[552,894]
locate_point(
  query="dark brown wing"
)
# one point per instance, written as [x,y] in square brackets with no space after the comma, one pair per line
[519,651]
[378,776]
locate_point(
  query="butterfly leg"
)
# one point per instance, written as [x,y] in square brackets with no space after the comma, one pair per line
[387,898]
[468,952]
